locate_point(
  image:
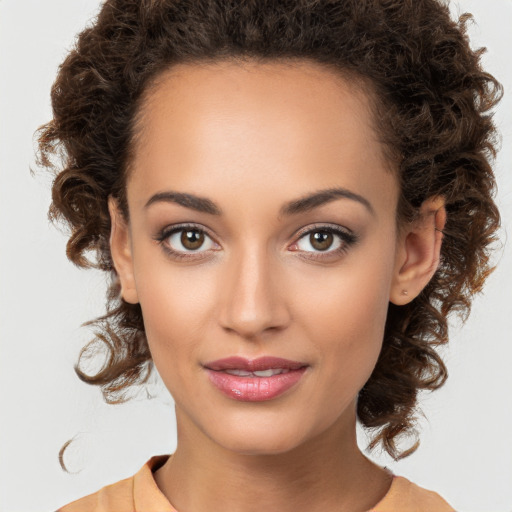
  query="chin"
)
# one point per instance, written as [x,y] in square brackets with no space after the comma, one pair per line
[258,438]
[269,446]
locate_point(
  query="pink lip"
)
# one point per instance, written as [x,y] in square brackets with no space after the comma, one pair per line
[254,389]
[262,363]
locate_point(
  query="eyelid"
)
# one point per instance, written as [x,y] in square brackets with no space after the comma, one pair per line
[336,228]
[173,228]
[168,231]
[347,238]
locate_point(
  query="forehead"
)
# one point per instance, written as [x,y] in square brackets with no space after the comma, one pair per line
[298,125]
[258,75]
[295,90]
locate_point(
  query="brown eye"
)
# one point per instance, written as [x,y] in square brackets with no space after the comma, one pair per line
[192,239]
[186,239]
[325,241]
[321,240]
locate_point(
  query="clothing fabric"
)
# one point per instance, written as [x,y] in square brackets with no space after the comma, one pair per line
[140,493]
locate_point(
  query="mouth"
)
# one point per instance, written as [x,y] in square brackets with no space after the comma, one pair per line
[261,373]
[254,380]
[263,363]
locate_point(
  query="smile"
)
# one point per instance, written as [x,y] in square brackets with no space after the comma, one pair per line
[260,373]
[255,380]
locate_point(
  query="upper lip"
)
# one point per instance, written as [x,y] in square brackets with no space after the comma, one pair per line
[251,365]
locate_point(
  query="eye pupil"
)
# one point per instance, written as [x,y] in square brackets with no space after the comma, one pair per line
[192,239]
[321,240]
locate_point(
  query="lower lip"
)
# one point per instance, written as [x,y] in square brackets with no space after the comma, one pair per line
[254,389]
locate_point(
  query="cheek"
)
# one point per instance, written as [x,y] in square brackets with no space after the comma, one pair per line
[337,313]
[176,306]
[344,314]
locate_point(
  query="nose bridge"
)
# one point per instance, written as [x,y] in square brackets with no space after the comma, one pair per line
[251,299]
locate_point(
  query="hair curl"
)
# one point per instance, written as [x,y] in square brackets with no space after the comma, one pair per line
[434,102]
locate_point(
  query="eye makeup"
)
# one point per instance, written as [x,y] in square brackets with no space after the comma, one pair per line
[321,237]
[330,232]
[190,233]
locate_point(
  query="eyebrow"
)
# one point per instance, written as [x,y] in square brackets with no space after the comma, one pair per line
[300,205]
[322,197]
[200,204]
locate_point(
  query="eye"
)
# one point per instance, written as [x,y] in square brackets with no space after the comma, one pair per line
[189,239]
[319,240]
[185,241]
[325,239]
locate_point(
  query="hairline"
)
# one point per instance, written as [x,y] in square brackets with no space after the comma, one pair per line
[362,86]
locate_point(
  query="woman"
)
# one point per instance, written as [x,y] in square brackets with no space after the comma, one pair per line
[290,197]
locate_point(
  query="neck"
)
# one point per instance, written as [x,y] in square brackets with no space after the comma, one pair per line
[326,473]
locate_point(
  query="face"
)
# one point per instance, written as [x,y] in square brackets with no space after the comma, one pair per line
[234,248]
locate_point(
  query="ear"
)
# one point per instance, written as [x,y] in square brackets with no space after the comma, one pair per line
[120,248]
[418,252]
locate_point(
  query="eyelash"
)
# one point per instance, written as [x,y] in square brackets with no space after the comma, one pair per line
[347,239]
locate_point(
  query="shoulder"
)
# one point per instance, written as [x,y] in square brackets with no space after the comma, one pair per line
[405,496]
[118,496]
[137,493]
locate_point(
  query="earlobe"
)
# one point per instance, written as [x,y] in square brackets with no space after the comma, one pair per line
[120,248]
[418,252]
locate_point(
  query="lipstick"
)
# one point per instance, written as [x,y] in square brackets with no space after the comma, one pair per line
[254,380]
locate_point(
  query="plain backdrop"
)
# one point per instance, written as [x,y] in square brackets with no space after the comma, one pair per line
[466,450]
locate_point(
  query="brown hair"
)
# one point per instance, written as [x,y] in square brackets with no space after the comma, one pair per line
[434,104]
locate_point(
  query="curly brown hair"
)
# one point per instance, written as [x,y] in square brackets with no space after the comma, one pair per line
[433,102]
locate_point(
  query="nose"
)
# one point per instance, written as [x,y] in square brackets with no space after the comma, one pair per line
[252,300]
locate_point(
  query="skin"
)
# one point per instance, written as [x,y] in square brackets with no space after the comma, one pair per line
[251,137]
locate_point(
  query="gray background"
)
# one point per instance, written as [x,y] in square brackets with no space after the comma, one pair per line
[466,451]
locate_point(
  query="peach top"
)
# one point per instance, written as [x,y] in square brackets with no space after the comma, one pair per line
[139,493]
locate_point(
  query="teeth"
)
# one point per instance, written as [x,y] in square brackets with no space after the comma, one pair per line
[270,372]
[261,373]
[240,373]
